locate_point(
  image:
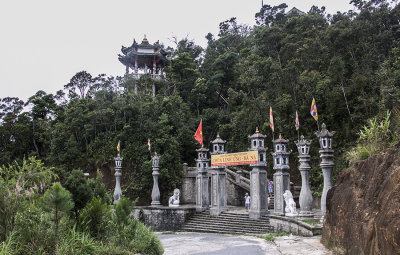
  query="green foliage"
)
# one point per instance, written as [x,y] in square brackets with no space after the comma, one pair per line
[123,210]
[98,189]
[146,241]
[9,246]
[95,217]
[57,199]
[81,192]
[271,236]
[76,243]
[348,61]
[19,184]
[373,138]
[310,222]
[138,238]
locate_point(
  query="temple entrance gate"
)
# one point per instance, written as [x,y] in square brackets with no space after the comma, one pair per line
[256,158]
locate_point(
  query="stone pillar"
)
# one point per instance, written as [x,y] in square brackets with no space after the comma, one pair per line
[155,194]
[154,90]
[154,66]
[306,198]
[202,194]
[218,181]
[326,154]
[118,174]
[281,175]
[136,65]
[258,178]
[127,69]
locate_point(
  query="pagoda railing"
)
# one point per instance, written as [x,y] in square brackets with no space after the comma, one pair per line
[153,76]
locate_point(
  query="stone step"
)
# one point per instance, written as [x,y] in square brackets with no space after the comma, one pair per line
[236,221]
[225,230]
[228,227]
[248,229]
[230,219]
[225,223]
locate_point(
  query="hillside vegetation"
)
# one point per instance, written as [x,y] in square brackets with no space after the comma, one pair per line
[349,62]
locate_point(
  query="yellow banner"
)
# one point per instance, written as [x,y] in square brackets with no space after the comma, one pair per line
[240,158]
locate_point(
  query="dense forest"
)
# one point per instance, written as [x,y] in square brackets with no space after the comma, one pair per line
[349,62]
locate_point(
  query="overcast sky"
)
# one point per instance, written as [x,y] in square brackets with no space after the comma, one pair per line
[44,43]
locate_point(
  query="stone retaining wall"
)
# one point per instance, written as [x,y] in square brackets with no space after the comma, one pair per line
[163,217]
[294,226]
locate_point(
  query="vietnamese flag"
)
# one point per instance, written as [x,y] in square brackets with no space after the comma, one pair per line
[199,133]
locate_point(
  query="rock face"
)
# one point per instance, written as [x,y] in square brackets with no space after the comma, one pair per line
[363,208]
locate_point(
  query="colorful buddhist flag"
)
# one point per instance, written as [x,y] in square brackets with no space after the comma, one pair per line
[199,133]
[313,110]
[119,145]
[271,119]
[297,121]
[149,144]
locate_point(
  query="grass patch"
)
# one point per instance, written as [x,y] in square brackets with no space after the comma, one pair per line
[271,236]
[310,222]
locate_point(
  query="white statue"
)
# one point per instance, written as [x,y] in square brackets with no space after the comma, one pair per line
[174,199]
[290,208]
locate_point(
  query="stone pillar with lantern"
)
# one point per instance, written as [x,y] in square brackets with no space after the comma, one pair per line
[326,154]
[202,193]
[218,180]
[155,194]
[281,175]
[306,198]
[118,174]
[258,178]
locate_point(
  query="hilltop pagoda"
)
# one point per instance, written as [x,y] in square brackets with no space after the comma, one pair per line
[144,58]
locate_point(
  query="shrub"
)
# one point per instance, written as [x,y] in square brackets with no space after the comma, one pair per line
[95,217]
[35,228]
[123,210]
[98,188]
[77,184]
[10,245]
[77,243]
[373,138]
[59,200]
[19,184]
[146,241]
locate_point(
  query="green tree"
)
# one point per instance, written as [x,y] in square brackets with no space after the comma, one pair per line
[59,200]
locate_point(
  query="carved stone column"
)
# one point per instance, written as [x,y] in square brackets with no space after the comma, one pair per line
[281,175]
[155,194]
[118,174]
[218,181]
[326,154]
[306,198]
[202,194]
[258,178]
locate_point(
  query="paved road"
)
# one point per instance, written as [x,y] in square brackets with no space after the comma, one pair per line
[217,244]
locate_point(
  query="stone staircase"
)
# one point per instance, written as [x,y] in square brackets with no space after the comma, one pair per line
[227,222]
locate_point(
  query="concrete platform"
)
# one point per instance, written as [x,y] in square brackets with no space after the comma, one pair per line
[218,244]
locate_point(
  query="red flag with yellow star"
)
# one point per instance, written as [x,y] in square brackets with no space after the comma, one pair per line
[199,133]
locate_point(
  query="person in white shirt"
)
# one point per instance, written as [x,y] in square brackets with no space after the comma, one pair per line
[247,202]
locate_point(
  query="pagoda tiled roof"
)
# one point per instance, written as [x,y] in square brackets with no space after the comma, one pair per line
[280,140]
[257,134]
[133,50]
[218,140]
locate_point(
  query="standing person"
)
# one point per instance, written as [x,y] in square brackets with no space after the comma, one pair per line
[270,188]
[247,202]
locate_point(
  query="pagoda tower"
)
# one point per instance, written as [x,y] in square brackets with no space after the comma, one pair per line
[144,58]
